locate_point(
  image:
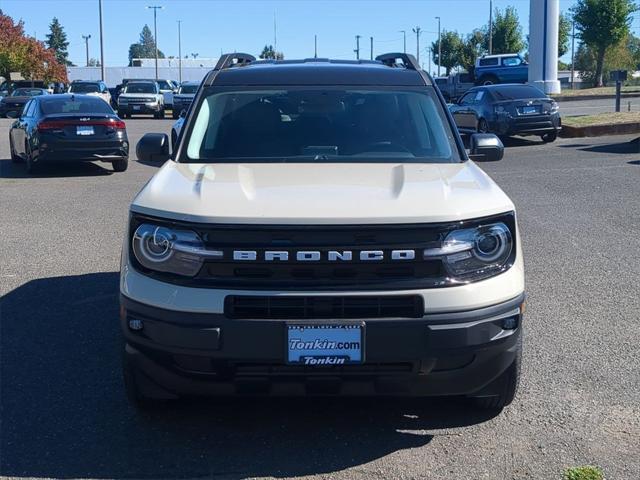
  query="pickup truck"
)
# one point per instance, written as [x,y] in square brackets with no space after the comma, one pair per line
[455,85]
[504,68]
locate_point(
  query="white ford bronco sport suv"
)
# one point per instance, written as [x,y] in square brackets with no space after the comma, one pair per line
[320,229]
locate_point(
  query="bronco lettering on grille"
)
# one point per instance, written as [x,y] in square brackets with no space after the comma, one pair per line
[317,255]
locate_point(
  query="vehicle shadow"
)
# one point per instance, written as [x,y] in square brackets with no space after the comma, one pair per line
[64,413]
[150,164]
[621,148]
[9,169]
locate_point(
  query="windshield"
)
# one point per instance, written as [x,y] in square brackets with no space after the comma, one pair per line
[164,85]
[140,88]
[76,105]
[188,89]
[26,92]
[322,124]
[84,88]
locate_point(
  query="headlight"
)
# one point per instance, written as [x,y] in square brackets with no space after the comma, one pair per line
[554,107]
[475,253]
[163,249]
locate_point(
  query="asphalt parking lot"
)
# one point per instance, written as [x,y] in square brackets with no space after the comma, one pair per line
[64,413]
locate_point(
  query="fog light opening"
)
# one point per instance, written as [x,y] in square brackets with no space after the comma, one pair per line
[136,324]
[510,323]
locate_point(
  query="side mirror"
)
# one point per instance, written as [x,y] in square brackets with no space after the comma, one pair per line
[183,113]
[153,147]
[485,147]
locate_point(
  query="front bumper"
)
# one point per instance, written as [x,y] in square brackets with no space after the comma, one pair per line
[178,353]
[137,108]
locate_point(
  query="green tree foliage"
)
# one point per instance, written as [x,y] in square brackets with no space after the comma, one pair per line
[507,32]
[146,46]
[472,48]
[57,41]
[622,56]
[564,34]
[601,25]
[451,49]
[268,52]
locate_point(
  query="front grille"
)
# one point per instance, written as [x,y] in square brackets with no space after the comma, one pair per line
[323,307]
[323,274]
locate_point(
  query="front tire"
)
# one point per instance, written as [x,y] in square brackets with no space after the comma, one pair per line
[14,157]
[31,167]
[549,137]
[488,80]
[120,165]
[507,384]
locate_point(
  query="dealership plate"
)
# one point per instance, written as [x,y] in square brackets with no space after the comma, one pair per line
[324,345]
[84,130]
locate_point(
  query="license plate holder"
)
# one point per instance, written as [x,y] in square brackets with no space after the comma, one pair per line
[325,344]
[85,130]
[136,107]
[530,110]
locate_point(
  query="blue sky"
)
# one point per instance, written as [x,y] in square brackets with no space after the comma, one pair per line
[212,26]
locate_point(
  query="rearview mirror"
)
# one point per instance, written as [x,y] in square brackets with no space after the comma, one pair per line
[485,147]
[153,147]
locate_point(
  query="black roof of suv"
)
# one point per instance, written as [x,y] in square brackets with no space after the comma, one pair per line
[385,70]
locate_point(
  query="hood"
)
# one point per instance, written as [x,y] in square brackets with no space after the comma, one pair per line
[307,193]
[16,99]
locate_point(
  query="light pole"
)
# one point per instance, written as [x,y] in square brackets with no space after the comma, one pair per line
[490,27]
[417,31]
[315,46]
[439,46]
[179,53]
[155,32]
[357,50]
[101,43]
[404,40]
[86,43]
[573,58]
[371,38]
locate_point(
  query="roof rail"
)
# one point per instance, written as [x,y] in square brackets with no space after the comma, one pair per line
[228,60]
[391,60]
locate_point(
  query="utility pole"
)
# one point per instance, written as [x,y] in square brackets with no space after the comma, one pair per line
[417,31]
[275,33]
[179,52]
[102,76]
[404,40]
[429,53]
[315,46]
[86,43]
[155,33]
[490,27]
[357,50]
[439,47]
[371,38]
[573,58]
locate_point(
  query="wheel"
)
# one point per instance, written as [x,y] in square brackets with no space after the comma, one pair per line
[121,114]
[483,126]
[549,137]
[139,388]
[488,80]
[14,157]
[507,384]
[120,165]
[29,159]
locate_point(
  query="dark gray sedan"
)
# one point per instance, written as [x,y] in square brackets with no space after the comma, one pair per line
[12,105]
[507,110]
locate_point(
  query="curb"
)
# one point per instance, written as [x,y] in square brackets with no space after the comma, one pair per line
[577,98]
[600,130]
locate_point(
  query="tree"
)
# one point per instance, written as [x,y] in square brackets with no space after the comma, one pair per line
[617,57]
[269,53]
[145,48]
[451,48]
[472,48]
[30,57]
[601,25]
[507,32]
[564,32]
[57,41]
[94,62]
